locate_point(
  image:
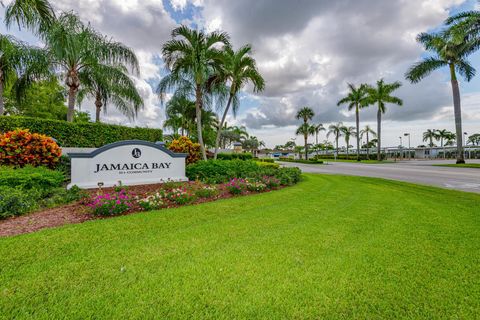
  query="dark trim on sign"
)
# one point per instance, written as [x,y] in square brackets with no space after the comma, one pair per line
[157,145]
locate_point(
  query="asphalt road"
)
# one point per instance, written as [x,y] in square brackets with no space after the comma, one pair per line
[422,172]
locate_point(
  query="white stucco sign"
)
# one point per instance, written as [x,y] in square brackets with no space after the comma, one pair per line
[131,162]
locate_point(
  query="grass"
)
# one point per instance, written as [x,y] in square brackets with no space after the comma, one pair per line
[462,165]
[332,247]
[362,161]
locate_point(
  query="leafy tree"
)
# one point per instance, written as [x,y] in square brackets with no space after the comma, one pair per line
[356,99]
[238,68]
[108,84]
[448,52]
[347,133]
[474,139]
[192,57]
[305,114]
[366,131]
[430,135]
[318,128]
[336,130]
[381,95]
[252,144]
[306,130]
[35,15]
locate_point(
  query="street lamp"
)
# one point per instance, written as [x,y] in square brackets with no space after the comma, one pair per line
[409,151]
[400,153]
[465,134]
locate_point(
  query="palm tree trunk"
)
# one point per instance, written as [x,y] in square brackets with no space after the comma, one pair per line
[336,145]
[72,92]
[98,107]
[316,142]
[458,114]
[198,109]
[357,119]
[220,127]
[368,148]
[347,148]
[306,150]
[379,133]
[2,108]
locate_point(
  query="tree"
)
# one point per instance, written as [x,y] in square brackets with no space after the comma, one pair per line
[36,15]
[318,128]
[429,135]
[451,53]
[474,139]
[306,130]
[194,56]
[305,113]
[110,84]
[336,130]
[252,144]
[356,99]
[290,145]
[20,65]
[444,135]
[381,95]
[180,113]
[366,131]
[75,48]
[238,68]
[347,133]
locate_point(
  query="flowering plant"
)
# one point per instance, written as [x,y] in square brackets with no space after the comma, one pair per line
[179,196]
[206,192]
[110,204]
[152,202]
[271,182]
[236,186]
[255,185]
[185,145]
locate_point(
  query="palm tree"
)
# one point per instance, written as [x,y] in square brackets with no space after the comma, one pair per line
[429,135]
[474,139]
[196,56]
[336,130]
[306,130]
[180,113]
[318,128]
[110,84]
[381,95]
[20,65]
[305,113]
[356,98]
[347,133]
[238,68]
[449,53]
[366,131]
[444,135]
[74,48]
[252,144]
[36,15]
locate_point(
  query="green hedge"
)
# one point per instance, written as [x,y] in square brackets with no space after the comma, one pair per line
[265,160]
[68,134]
[310,161]
[232,156]
[41,179]
[353,156]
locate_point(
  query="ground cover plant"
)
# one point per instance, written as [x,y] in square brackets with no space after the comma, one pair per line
[329,247]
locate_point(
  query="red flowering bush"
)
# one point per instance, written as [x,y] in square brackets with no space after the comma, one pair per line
[21,147]
[110,204]
[185,145]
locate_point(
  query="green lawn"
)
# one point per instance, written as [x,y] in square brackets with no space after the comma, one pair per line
[463,165]
[332,247]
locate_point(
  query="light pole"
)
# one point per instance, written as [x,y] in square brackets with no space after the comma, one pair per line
[400,153]
[464,143]
[409,151]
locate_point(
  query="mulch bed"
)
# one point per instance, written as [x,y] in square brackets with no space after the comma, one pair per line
[78,212]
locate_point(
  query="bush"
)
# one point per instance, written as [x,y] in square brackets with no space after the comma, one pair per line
[236,186]
[206,192]
[265,160]
[61,196]
[19,148]
[67,134]
[27,178]
[179,196]
[310,161]
[185,145]
[288,176]
[233,156]
[219,171]
[152,202]
[111,204]
[373,156]
[15,202]
[268,165]
[64,164]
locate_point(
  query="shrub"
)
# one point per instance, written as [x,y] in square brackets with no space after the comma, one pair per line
[185,145]
[152,202]
[233,156]
[19,148]
[288,176]
[206,192]
[89,135]
[110,204]
[271,182]
[63,196]
[268,165]
[265,160]
[236,186]
[40,178]
[64,164]
[372,156]
[179,196]
[255,185]
[309,161]
[219,171]
[15,202]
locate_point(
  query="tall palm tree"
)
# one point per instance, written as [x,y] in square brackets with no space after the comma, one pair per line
[347,133]
[238,68]
[451,53]
[336,130]
[444,135]
[195,55]
[367,130]
[381,95]
[318,128]
[430,135]
[305,114]
[75,47]
[180,113]
[20,65]
[356,99]
[110,84]
[35,15]
[306,130]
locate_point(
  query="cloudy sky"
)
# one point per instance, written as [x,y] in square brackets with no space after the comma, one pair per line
[306,50]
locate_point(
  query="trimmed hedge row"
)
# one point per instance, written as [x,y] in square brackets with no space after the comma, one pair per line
[88,135]
[373,156]
[310,161]
[232,156]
